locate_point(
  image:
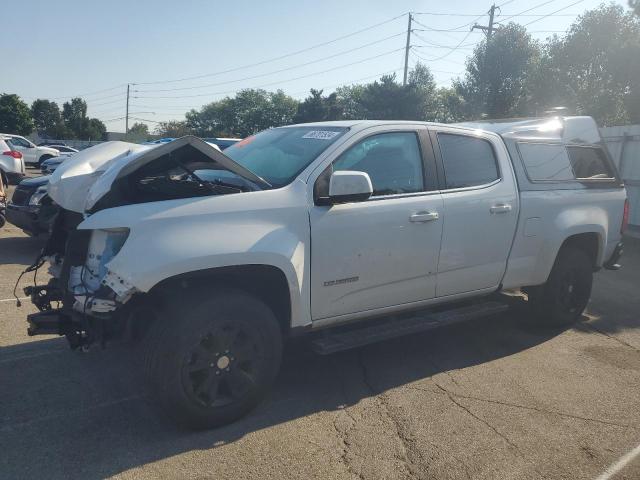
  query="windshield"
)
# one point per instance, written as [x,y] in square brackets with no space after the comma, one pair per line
[280,154]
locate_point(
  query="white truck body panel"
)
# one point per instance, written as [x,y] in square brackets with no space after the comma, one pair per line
[350,260]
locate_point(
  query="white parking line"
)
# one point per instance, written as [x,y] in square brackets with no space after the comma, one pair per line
[620,464]
[13,299]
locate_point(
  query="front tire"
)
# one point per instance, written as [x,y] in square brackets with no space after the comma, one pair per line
[214,359]
[565,295]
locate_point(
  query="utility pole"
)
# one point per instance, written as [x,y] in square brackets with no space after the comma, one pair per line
[126,121]
[406,51]
[490,28]
[489,31]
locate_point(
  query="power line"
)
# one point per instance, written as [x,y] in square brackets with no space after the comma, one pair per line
[527,10]
[281,81]
[275,71]
[451,50]
[438,45]
[105,103]
[553,13]
[474,15]
[83,94]
[297,52]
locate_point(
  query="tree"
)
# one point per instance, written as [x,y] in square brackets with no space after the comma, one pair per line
[498,72]
[93,129]
[316,108]
[74,114]
[386,99]
[635,4]
[139,129]
[349,102]
[46,117]
[15,116]
[248,112]
[594,70]
[448,107]
[78,125]
[173,128]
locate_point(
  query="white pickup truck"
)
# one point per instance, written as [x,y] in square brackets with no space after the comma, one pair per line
[212,259]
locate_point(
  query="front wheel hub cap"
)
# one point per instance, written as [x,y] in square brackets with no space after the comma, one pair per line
[223,362]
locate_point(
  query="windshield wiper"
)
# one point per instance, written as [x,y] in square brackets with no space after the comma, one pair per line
[208,185]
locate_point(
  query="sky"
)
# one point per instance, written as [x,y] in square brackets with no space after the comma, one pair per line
[181,55]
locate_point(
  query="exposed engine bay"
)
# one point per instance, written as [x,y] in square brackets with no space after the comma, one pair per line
[85,300]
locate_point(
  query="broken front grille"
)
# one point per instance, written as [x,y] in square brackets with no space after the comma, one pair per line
[21,195]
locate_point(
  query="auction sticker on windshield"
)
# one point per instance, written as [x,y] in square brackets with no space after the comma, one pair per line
[321,134]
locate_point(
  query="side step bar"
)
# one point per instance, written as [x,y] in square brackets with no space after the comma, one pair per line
[399,326]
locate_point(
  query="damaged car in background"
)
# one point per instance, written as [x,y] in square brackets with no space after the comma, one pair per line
[350,232]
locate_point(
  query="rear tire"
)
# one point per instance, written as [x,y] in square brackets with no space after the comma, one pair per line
[213,358]
[565,295]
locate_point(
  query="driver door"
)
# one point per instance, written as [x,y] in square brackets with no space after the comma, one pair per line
[382,252]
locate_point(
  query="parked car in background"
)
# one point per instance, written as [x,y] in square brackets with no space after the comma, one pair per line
[159,141]
[47,143]
[49,166]
[222,142]
[30,207]
[11,162]
[32,154]
[64,149]
[3,203]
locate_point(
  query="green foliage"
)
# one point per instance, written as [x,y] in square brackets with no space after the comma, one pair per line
[173,128]
[78,125]
[47,118]
[316,108]
[595,69]
[139,129]
[499,71]
[15,116]
[250,111]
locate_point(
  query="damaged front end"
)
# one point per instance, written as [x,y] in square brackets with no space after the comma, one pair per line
[83,300]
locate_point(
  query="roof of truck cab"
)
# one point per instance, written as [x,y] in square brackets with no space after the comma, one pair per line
[577,129]
[362,124]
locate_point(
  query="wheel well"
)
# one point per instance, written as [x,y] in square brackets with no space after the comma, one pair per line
[266,282]
[587,242]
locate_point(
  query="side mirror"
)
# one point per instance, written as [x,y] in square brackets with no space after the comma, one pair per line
[349,186]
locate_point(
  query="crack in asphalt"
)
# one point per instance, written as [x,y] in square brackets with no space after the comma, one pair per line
[612,337]
[413,460]
[343,435]
[491,427]
[346,445]
[528,407]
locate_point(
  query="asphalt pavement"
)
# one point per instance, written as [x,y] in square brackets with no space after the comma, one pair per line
[489,399]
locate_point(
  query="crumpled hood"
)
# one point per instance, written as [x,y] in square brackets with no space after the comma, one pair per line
[83,179]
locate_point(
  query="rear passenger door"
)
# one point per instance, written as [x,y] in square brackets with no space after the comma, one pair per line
[480,207]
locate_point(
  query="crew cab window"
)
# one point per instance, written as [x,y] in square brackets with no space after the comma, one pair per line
[546,162]
[392,160]
[468,161]
[589,163]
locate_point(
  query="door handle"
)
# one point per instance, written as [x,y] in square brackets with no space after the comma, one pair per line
[500,208]
[421,217]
